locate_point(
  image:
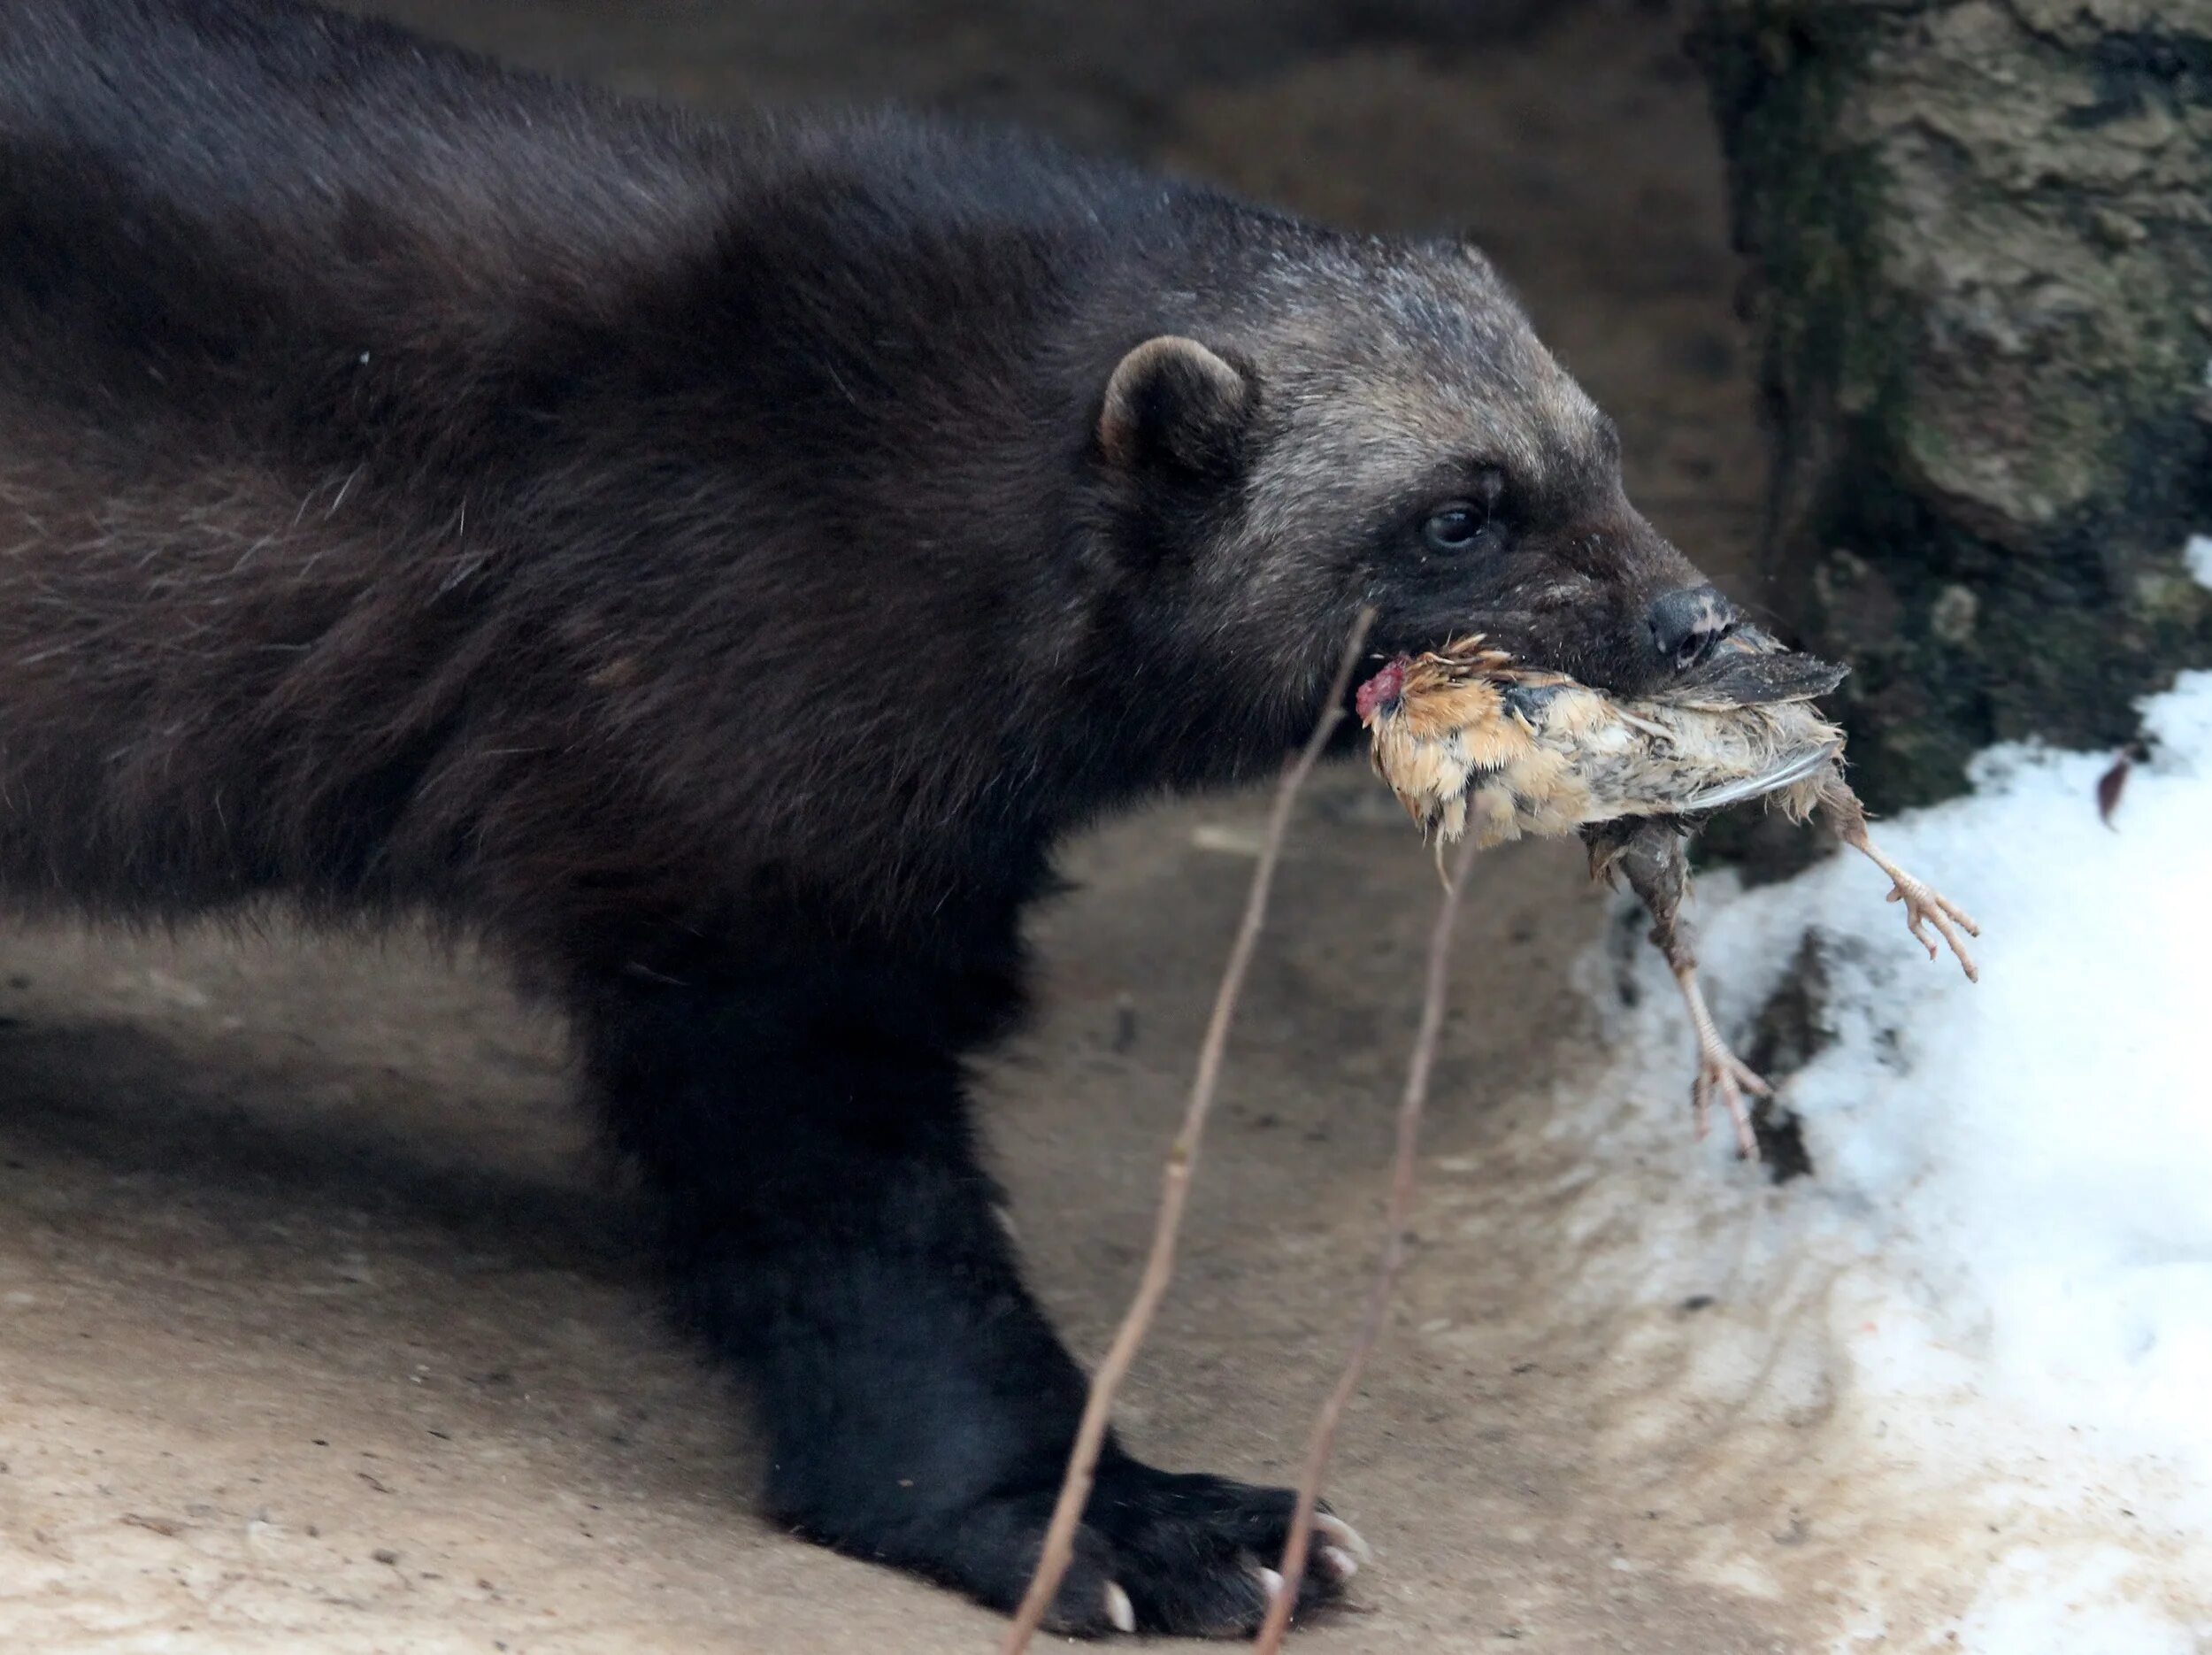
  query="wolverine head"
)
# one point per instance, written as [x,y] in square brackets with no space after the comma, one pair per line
[1338,422]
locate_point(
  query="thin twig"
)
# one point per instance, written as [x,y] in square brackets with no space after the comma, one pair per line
[1399,1213]
[1182,1160]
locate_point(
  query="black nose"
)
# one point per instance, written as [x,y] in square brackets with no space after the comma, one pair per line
[1687,623]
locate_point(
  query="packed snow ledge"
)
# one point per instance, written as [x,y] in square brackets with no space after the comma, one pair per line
[1986,1312]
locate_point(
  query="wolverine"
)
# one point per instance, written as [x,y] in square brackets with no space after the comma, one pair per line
[714,562]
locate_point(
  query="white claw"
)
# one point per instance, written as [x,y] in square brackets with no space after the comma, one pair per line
[1271,1582]
[1342,1534]
[1119,1610]
[1340,1562]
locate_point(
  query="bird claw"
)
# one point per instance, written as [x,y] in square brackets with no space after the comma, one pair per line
[1729,1077]
[1720,1073]
[1924,906]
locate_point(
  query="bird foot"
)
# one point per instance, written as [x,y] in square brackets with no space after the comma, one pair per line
[1720,1073]
[1924,906]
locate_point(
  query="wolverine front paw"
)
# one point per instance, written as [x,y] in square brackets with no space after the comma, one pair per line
[1157,1553]
[1190,1554]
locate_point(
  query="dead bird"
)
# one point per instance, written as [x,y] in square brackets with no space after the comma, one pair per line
[1463,737]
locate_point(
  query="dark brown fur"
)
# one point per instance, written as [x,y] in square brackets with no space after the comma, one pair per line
[703,559]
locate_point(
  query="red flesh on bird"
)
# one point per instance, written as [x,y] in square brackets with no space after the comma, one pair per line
[1380,690]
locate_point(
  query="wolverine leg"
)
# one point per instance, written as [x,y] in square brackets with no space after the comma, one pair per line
[833,1237]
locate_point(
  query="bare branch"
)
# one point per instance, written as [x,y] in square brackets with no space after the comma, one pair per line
[1398,1213]
[1182,1160]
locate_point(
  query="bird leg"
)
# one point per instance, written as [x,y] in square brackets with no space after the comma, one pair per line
[1653,859]
[1720,1072]
[1924,905]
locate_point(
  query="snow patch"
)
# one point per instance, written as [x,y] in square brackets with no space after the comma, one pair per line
[2198,555]
[1987,1314]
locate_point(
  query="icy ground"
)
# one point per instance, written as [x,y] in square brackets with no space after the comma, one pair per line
[1994,1291]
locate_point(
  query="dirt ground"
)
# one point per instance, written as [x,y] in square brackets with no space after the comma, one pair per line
[319,1329]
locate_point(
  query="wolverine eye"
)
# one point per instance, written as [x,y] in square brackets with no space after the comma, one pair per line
[1454,525]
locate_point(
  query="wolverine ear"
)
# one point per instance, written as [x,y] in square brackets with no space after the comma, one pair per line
[1469,247]
[1172,401]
